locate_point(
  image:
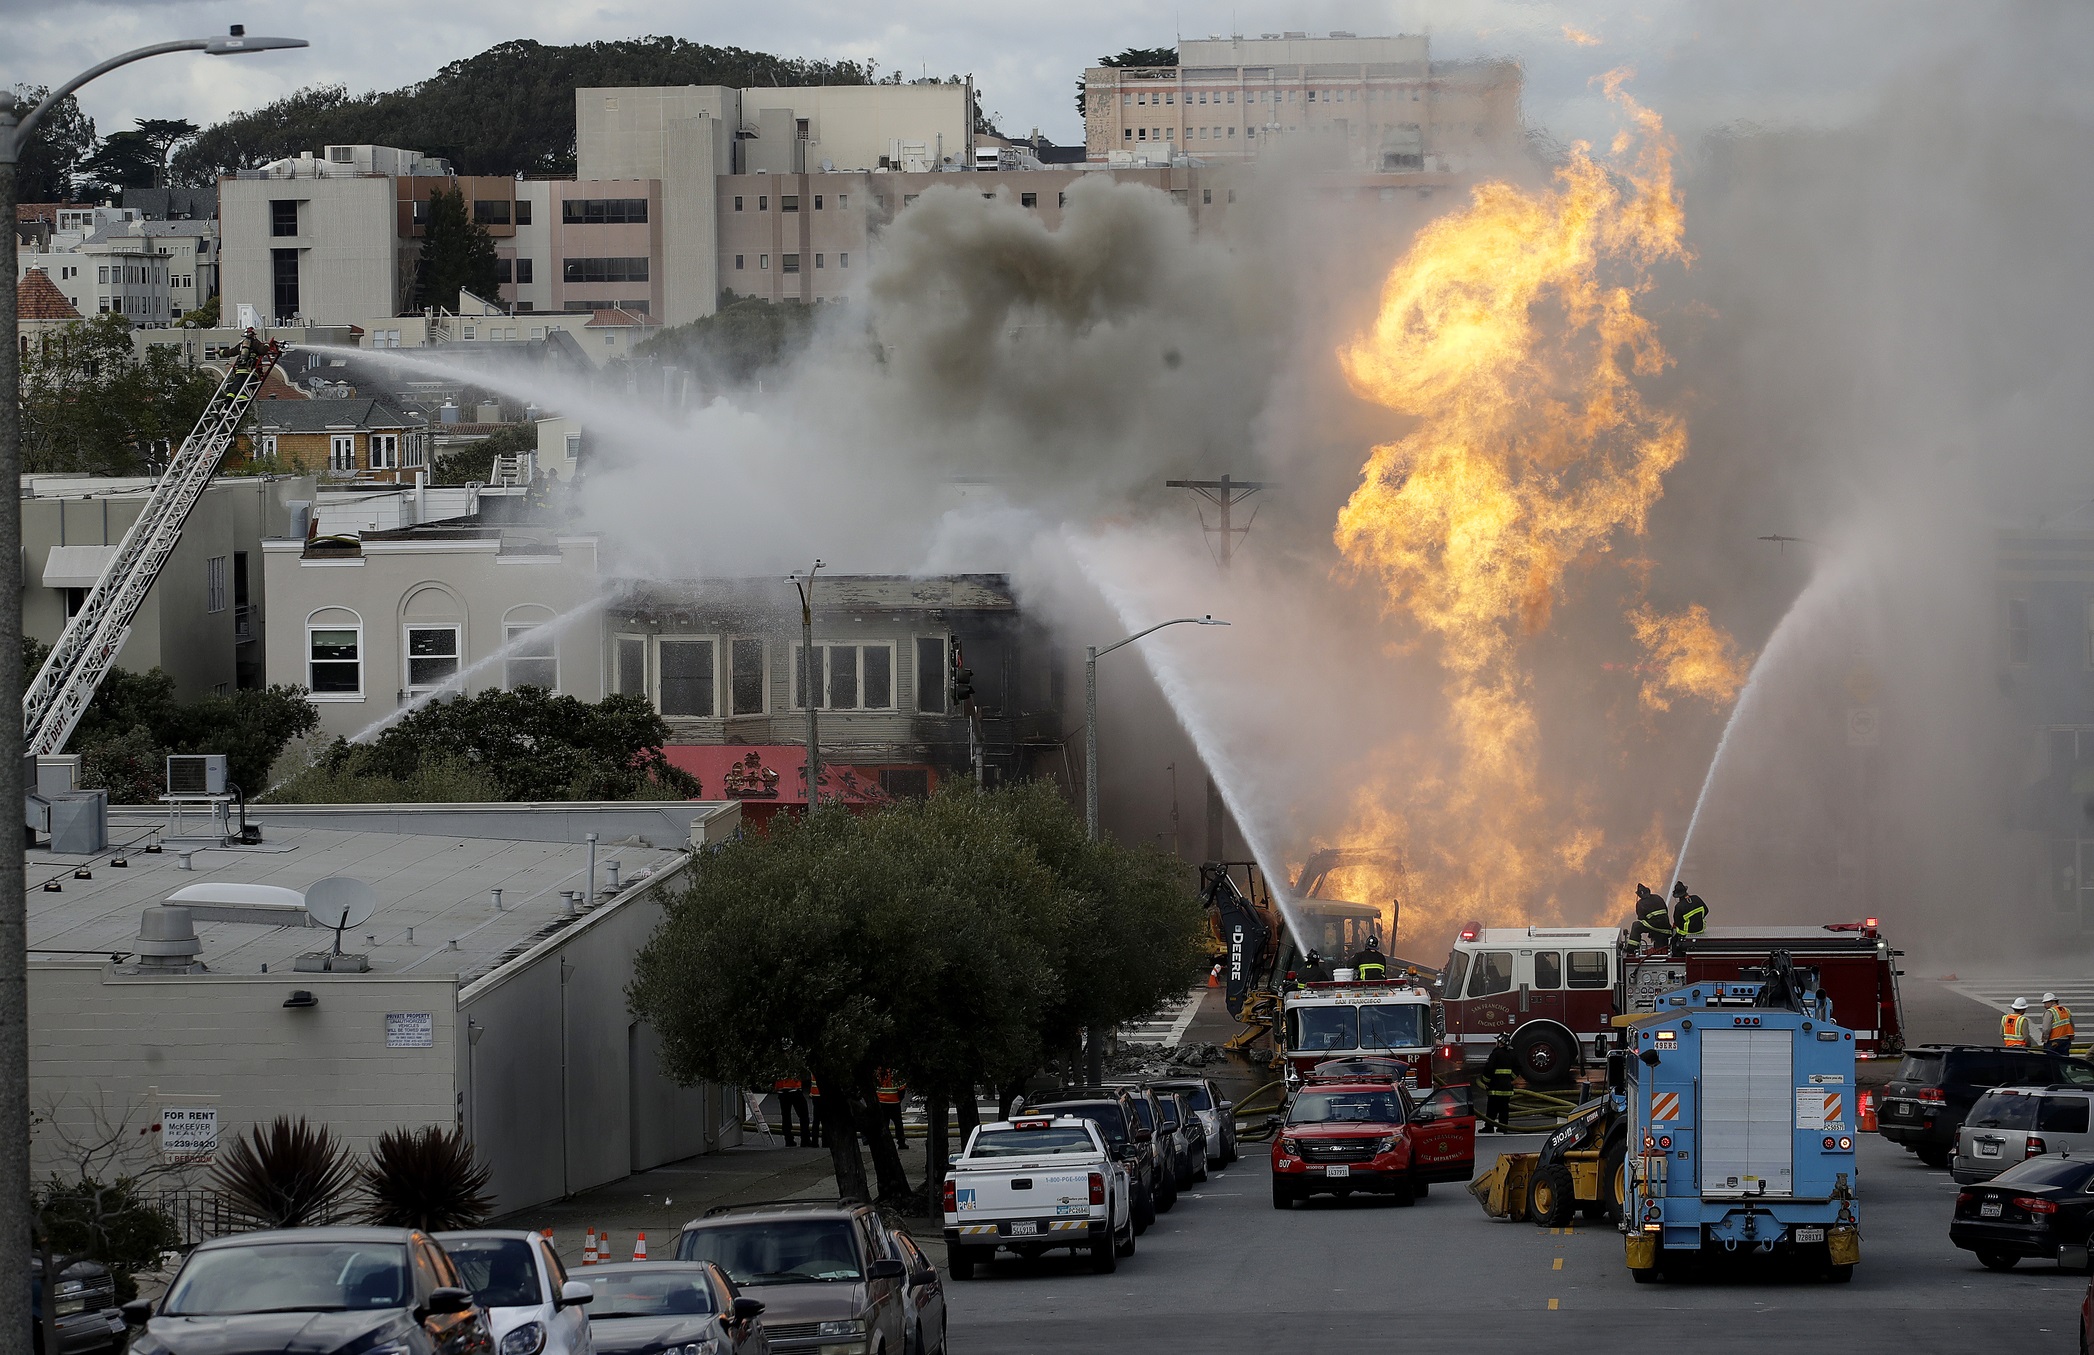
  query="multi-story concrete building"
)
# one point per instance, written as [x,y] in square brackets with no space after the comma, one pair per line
[1378,104]
[204,619]
[110,259]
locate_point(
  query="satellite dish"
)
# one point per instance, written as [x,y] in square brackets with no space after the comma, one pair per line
[341,903]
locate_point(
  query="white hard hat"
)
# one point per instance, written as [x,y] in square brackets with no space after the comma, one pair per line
[2021,1004]
[2050,997]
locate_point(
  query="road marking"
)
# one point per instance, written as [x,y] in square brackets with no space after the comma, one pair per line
[1168,1025]
[1552,1305]
[1558,1265]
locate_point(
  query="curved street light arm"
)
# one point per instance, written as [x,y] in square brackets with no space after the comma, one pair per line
[1176,621]
[18,135]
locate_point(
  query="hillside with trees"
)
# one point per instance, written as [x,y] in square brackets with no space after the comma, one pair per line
[508,110]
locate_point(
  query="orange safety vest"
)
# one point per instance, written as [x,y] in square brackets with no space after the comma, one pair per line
[2060,1021]
[786,1084]
[890,1091]
[2014,1030]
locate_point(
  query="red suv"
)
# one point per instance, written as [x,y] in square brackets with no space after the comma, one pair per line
[1369,1135]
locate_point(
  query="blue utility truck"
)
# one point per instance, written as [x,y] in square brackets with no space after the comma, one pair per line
[1742,1121]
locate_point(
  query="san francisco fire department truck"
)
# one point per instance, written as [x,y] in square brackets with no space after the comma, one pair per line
[1557,990]
[1355,1019]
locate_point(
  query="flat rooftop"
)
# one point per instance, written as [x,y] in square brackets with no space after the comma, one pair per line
[434,868]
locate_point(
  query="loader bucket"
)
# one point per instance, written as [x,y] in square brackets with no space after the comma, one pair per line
[1502,1191]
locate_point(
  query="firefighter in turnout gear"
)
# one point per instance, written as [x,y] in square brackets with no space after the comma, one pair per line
[2059,1040]
[1370,965]
[1690,916]
[1653,919]
[1495,1082]
[2014,1026]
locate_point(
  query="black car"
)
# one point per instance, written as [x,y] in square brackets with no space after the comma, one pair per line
[89,1322]
[1112,1110]
[642,1307]
[1937,1085]
[2043,1207]
[315,1291]
[1148,1114]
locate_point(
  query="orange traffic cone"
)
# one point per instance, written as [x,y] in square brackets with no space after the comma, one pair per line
[1214,977]
[1868,1112]
[589,1249]
[640,1248]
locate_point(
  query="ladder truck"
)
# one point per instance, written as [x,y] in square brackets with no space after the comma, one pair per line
[87,648]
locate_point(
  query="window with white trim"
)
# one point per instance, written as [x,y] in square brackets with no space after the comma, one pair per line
[385,451]
[850,677]
[746,669]
[533,660]
[685,682]
[432,657]
[267,445]
[629,660]
[334,659]
[341,452]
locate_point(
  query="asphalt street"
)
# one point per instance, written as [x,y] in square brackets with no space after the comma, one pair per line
[1224,1271]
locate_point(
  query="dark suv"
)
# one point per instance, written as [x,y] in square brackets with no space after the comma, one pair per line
[829,1275]
[1113,1110]
[1937,1085]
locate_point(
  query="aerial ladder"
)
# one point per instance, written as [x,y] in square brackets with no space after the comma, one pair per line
[95,635]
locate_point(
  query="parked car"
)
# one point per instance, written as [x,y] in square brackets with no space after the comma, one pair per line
[1187,1134]
[1148,1113]
[532,1307]
[1937,1085]
[1112,1110]
[650,1307]
[1032,1183]
[315,1291]
[1369,1137]
[2043,1208]
[2086,1317]
[828,1274]
[89,1322]
[2012,1124]
[1218,1115]
[923,1300]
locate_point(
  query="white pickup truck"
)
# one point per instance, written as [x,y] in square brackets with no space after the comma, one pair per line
[1032,1183]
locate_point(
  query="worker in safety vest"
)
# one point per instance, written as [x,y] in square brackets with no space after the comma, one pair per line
[1690,916]
[792,1100]
[818,1137]
[1653,919]
[2014,1030]
[890,1094]
[1495,1082]
[1370,964]
[2059,1038]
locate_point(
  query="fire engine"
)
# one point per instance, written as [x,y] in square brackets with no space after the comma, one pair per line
[1558,989]
[1354,1019]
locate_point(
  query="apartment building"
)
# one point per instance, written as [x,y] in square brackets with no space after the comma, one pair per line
[111,259]
[1377,103]
[362,438]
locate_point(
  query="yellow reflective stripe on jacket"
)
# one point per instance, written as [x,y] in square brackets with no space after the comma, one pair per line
[2014,1031]
[2060,1021]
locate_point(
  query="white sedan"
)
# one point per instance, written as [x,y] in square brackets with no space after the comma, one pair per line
[532,1307]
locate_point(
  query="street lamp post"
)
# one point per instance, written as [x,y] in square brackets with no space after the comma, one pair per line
[16,128]
[1090,712]
[810,677]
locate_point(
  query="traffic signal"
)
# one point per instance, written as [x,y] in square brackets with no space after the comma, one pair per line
[962,690]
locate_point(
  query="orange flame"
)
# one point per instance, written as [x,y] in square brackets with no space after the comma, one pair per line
[1510,333]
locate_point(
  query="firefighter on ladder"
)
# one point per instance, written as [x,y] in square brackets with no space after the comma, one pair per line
[2014,1031]
[2059,1039]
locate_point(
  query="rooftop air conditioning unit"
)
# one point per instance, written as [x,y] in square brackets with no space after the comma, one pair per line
[196,774]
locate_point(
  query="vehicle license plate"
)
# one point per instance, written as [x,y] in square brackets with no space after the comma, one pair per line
[1024,1228]
[1988,1150]
[1338,1171]
[1810,1234]
[1907,1109]
[1989,1210]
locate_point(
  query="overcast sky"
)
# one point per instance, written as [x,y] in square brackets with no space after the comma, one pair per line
[1770,61]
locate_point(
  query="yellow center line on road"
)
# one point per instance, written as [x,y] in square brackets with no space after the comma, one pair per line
[1558,1265]
[1552,1305]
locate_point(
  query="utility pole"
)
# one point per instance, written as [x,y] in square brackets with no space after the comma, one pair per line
[810,681]
[1225,494]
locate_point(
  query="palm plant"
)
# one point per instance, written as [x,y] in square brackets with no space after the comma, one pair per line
[291,1174]
[427,1179]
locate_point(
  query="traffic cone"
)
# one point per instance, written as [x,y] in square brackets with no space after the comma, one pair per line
[640,1248]
[1868,1112]
[1214,977]
[589,1249]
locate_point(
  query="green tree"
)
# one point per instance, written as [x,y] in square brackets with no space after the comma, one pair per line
[734,345]
[203,317]
[137,158]
[457,253]
[473,461]
[960,940]
[528,744]
[92,406]
[96,1203]
[64,138]
[1132,56]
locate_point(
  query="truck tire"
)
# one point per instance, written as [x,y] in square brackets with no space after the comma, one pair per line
[1126,1244]
[1545,1057]
[1647,1275]
[1935,1157]
[1144,1210]
[1839,1274]
[959,1262]
[1283,1196]
[1105,1257]
[1420,1189]
[1552,1197]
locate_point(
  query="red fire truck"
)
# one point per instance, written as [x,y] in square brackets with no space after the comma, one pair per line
[1557,989]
